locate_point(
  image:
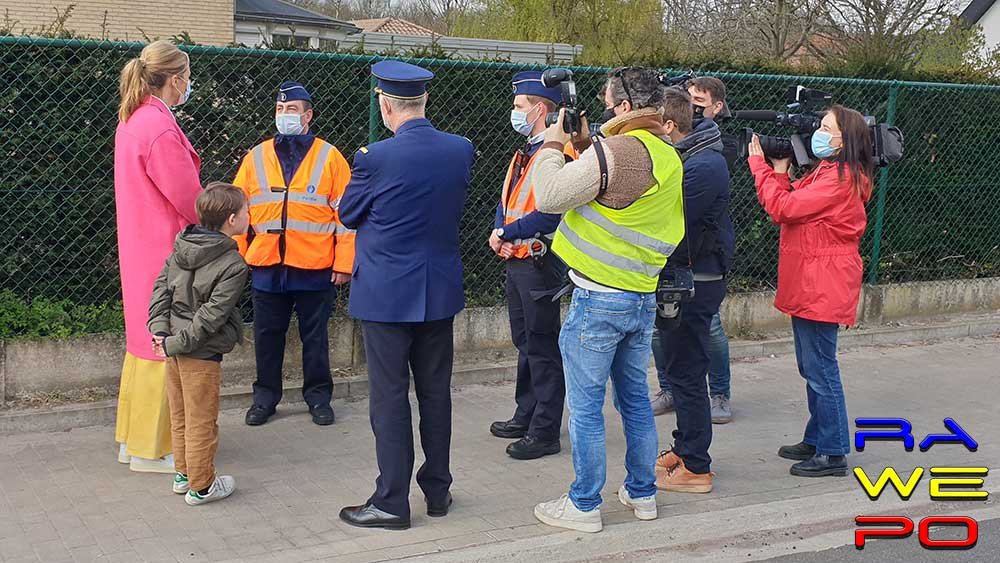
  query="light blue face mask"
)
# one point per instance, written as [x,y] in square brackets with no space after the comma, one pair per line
[821,144]
[187,93]
[519,121]
[289,123]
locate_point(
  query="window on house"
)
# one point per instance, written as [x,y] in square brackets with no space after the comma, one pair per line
[282,40]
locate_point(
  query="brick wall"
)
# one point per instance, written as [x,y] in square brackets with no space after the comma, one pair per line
[207,21]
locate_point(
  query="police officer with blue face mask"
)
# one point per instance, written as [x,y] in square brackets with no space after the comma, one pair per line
[521,236]
[297,249]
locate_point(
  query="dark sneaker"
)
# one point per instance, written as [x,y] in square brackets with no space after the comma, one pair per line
[821,466]
[531,447]
[322,415]
[508,429]
[258,414]
[798,452]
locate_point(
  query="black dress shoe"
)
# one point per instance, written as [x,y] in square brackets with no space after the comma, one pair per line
[439,509]
[258,414]
[821,466]
[798,452]
[531,447]
[508,429]
[367,516]
[322,415]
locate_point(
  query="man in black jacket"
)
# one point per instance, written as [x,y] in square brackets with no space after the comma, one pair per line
[707,249]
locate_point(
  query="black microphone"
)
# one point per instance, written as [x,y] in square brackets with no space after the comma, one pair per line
[756,115]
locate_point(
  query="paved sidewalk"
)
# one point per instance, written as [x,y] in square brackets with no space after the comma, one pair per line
[64,498]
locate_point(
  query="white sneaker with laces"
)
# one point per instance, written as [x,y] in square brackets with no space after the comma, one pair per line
[162,465]
[644,508]
[181,484]
[562,513]
[223,486]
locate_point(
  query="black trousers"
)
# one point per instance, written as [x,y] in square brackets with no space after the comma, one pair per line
[686,352]
[272,313]
[393,350]
[534,327]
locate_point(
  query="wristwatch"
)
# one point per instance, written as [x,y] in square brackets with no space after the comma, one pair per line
[500,233]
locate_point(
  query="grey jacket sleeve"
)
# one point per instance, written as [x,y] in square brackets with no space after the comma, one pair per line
[212,315]
[560,186]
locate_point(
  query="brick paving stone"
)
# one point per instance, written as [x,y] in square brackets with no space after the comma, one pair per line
[293,477]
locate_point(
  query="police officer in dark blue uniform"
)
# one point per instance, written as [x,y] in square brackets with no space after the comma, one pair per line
[522,235]
[406,198]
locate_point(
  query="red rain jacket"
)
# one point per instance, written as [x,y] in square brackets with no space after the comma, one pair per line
[822,219]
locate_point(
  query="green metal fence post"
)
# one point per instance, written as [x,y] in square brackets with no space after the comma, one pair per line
[883,186]
[373,113]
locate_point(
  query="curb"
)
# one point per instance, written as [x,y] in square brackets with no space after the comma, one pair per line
[65,417]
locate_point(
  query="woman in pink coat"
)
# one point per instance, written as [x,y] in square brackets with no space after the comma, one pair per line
[156,183]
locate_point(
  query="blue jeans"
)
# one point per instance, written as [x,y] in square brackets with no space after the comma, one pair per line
[719,375]
[816,353]
[608,335]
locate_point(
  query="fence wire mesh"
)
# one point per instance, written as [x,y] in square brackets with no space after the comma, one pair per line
[936,215]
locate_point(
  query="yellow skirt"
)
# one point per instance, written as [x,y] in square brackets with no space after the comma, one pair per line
[143,415]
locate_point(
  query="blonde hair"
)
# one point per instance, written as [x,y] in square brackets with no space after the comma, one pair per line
[147,73]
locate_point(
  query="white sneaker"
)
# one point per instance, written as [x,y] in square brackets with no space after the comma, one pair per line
[562,513]
[181,484]
[162,465]
[223,486]
[123,456]
[643,507]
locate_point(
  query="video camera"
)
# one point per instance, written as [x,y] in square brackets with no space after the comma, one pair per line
[563,77]
[887,140]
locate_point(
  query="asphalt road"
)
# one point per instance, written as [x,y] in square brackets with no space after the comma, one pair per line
[908,550]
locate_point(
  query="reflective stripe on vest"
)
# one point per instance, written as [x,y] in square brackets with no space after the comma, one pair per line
[295,222]
[628,235]
[302,226]
[627,248]
[522,206]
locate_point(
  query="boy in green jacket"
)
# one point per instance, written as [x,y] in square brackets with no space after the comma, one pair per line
[194,318]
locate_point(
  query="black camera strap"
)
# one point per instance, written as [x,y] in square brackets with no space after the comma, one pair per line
[602,163]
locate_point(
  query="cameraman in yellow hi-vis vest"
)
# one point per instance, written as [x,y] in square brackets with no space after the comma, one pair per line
[623,217]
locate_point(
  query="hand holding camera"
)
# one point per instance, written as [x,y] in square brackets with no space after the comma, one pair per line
[780,165]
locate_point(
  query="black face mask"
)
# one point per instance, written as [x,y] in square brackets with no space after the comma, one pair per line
[698,114]
[608,115]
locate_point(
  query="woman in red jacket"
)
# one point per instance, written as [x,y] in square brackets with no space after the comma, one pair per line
[822,218]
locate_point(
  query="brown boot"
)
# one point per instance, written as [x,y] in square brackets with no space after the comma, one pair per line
[667,460]
[679,480]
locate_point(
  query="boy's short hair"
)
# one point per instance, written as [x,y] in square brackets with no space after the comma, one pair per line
[677,108]
[217,203]
[712,85]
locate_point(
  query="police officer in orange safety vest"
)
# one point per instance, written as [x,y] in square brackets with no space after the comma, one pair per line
[521,237]
[297,249]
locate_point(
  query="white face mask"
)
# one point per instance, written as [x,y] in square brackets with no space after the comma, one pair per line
[289,123]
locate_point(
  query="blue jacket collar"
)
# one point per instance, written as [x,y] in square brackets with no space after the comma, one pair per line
[413,123]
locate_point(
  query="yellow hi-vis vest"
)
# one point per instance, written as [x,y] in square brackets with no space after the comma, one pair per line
[626,248]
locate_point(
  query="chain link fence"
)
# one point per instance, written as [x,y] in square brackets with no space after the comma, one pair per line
[936,215]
